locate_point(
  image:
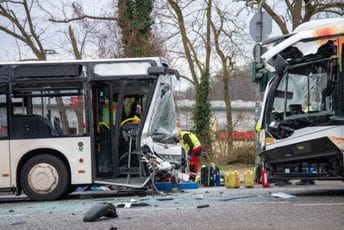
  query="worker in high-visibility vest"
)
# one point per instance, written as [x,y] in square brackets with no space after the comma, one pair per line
[193,150]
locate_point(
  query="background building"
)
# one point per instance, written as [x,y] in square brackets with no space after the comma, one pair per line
[243,113]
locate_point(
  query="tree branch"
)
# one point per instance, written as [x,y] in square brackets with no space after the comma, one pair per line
[74,43]
[81,18]
[17,36]
[25,36]
[276,18]
[32,31]
[185,41]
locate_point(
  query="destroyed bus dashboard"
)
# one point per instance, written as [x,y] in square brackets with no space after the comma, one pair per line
[301,128]
[70,123]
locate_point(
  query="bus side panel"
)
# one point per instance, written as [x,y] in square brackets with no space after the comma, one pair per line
[77,151]
[5,179]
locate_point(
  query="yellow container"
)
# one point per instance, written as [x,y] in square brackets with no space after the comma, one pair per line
[248,179]
[232,179]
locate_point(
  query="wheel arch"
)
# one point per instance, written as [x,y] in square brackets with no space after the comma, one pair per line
[36,152]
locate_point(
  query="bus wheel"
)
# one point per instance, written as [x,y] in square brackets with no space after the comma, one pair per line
[44,177]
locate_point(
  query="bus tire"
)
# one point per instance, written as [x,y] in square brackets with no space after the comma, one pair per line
[44,177]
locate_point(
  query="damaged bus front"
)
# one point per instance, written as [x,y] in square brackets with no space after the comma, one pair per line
[301,128]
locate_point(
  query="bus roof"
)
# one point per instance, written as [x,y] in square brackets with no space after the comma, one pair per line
[319,23]
[101,67]
[313,29]
[122,60]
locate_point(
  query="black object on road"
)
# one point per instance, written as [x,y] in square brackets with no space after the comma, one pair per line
[203,206]
[100,210]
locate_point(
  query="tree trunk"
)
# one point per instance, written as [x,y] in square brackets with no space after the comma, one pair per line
[63,115]
[79,108]
[79,114]
[228,110]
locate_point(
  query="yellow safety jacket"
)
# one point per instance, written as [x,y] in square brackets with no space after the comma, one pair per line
[193,138]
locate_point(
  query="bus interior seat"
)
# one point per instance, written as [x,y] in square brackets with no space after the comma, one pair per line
[30,126]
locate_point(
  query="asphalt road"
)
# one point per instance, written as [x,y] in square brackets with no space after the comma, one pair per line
[319,206]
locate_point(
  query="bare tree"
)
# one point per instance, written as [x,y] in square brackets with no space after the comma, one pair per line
[199,63]
[240,84]
[96,35]
[228,49]
[225,38]
[124,30]
[19,23]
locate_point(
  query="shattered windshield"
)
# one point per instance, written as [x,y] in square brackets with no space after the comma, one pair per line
[164,116]
[308,94]
[303,93]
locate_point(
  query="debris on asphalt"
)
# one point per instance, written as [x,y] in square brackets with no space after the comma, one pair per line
[113,228]
[140,204]
[81,189]
[203,206]
[100,188]
[236,198]
[199,196]
[18,223]
[107,210]
[282,195]
[164,198]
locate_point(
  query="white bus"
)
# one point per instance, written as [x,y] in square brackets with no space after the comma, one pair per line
[69,123]
[302,121]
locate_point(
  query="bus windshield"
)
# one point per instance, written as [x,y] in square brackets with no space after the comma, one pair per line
[306,95]
[164,115]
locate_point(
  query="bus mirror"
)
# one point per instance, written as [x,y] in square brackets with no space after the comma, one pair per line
[280,65]
[156,70]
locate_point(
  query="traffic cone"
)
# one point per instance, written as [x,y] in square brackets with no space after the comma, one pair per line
[264,176]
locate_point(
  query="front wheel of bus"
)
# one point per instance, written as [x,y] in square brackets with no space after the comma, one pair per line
[44,177]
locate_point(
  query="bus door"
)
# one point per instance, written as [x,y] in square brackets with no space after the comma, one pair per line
[134,106]
[5,180]
[118,109]
[104,107]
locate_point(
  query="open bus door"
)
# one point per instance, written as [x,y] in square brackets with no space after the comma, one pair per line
[116,126]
